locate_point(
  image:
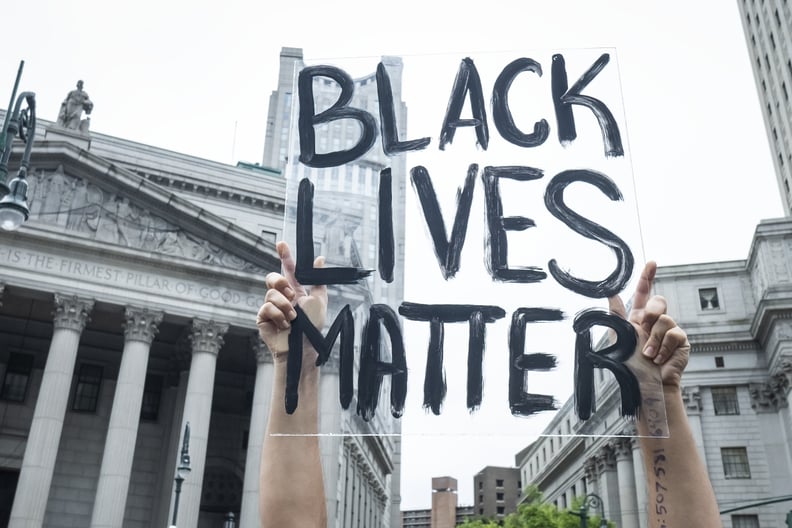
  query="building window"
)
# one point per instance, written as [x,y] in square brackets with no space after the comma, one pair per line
[481,511]
[499,483]
[500,510]
[719,362]
[152,392]
[481,498]
[499,496]
[735,463]
[767,62]
[724,400]
[17,376]
[745,521]
[778,18]
[574,491]
[86,395]
[481,484]
[786,93]
[772,40]
[708,298]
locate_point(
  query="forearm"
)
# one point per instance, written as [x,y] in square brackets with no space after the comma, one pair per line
[292,490]
[679,489]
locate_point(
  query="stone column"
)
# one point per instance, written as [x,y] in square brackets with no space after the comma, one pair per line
[38,464]
[591,476]
[626,474]
[608,482]
[262,395]
[691,396]
[640,481]
[119,450]
[207,339]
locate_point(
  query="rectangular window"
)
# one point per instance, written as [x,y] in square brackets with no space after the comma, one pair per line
[708,298]
[772,40]
[574,491]
[500,510]
[719,362]
[778,18]
[499,496]
[17,377]
[86,394]
[786,93]
[735,463]
[745,521]
[152,392]
[499,483]
[724,400]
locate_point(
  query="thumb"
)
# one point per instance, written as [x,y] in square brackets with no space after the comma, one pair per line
[616,305]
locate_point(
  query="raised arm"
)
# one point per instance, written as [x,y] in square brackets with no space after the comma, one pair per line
[680,492]
[292,490]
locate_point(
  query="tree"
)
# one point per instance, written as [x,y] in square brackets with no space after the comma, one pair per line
[534,513]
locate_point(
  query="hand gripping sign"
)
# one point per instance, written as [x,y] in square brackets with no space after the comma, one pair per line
[480,294]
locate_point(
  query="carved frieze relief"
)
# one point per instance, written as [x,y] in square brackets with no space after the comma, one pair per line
[98,214]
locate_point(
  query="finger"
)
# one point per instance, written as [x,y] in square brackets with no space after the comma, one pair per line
[655,307]
[644,287]
[616,305]
[320,290]
[660,328]
[673,340]
[269,313]
[276,281]
[289,267]
[281,303]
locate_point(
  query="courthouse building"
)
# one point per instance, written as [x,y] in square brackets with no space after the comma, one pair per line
[736,388]
[128,310]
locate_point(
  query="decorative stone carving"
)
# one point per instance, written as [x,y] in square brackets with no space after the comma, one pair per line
[207,336]
[691,397]
[71,312]
[590,469]
[141,324]
[781,380]
[98,214]
[70,115]
[606,459]
[262,352]
[767,397]
[623,448]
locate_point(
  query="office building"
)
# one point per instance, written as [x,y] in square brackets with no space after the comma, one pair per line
[496,490]
[768,32]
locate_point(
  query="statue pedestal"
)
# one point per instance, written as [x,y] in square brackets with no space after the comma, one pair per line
[75,137]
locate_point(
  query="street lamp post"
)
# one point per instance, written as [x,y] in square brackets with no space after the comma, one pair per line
[182,471]
[594,501]
[229,521]
[22,122]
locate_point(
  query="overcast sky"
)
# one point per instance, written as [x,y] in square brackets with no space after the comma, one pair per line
[195,77]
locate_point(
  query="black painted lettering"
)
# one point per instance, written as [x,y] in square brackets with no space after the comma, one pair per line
[438,314]
[564,98]
[501,114]
[308,119]
[390,133]
[448,251]
[496,244]
[467,81]
[372,368]
[305,272]
[554,201]
[521,402]
[344,325]
[386,243]
[612,357]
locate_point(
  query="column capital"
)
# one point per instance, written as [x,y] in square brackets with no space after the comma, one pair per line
[606,459]
[590,468]
[623,447]
[71,312]
[141,324]
[691,397]
[261,351]
[768,397]
[207,336]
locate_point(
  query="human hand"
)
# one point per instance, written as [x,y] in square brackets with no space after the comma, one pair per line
[659,338]
[283,293]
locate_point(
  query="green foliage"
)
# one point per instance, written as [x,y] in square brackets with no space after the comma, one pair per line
[533,513]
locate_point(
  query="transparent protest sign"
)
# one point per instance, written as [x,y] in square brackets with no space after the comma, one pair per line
[475,213]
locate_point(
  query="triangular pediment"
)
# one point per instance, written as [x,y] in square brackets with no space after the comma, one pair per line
[88,197]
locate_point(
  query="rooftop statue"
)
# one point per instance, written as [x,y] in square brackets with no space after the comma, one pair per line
[70,115]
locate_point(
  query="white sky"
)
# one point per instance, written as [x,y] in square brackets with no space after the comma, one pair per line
[195,77]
